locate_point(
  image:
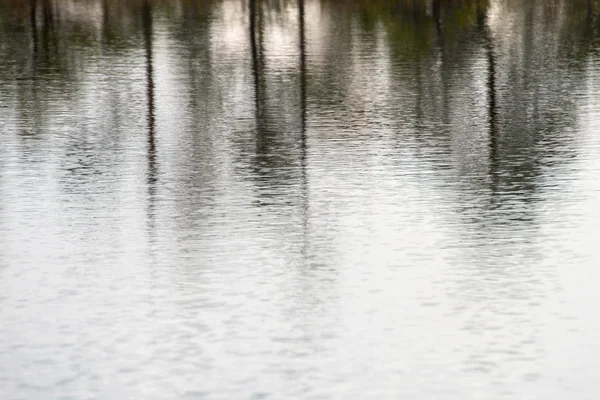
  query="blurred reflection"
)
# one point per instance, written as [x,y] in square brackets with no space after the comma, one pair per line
[303,100]
[34,28]
[152,167]
[307,179]
[254,47]
[147,23]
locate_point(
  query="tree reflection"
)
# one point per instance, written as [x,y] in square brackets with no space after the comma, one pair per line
[147,25]
[303,139]
[448,61]
[278,113]
[152,173]
[491,93]
[252,4]
[34,29]
[302,51]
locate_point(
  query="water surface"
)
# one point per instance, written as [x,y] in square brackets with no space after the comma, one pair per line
[318,200]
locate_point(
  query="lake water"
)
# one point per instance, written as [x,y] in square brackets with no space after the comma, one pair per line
[283,200]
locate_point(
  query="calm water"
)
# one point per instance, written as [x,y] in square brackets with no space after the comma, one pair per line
[340,200]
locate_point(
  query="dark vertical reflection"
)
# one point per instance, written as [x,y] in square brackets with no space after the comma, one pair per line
[254,49]
[437,16]
[105,21]
[444,70]
[254,46]
[34,28]
[492,102]
[301,21]
[48,12]
[48,17]
[152,169]
[302,69]
[589,24]
[491,93]
[302,82]
[268,150]
[530,81]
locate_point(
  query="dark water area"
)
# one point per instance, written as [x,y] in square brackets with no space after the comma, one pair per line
[299,199]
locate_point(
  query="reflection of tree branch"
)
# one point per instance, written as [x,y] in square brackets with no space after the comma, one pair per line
[34,33]
[262,132]
[491,90]
[47,13]
[254,50]
[147,27]
[444,69]
[437,16]
[302,69]
[105,20]
[302,39]
[147,24]
[492,100]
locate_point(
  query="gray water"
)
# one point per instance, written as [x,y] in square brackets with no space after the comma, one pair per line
[335,201]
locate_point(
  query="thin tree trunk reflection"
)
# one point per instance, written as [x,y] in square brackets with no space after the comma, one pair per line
[302,40]
[302,73]
[105,20]
[147,28]
[492,99]
[443,67]
[254,50]
[34,29]
[263,133]
[48,17]
[491,94]
[437,16]
[48,12]
[151,177]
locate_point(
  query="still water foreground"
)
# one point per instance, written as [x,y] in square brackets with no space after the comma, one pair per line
[337,200]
